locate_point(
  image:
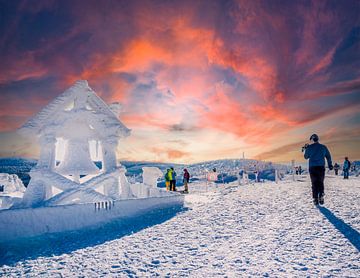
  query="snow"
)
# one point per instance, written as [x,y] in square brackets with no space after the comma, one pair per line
[11,183]
[12,190]
[151,175]
[258,229]
[32,222]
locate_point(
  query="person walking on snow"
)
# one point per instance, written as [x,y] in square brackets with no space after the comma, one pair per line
[346,168]
[336,168]
[186,179]
[172,175]
[316,153]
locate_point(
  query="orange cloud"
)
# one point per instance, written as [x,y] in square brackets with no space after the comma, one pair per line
[169,153]
[269,112]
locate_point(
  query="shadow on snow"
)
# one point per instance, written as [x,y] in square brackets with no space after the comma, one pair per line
[350,233]
[67,242]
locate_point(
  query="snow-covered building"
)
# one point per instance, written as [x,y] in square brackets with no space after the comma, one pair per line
[76,129]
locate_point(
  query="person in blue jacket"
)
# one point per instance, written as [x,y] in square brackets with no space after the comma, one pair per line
[346,168]
[316,153]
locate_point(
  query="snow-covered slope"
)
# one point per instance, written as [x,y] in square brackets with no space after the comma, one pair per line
[262,229]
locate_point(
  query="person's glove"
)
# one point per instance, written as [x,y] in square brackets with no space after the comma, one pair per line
[331,167]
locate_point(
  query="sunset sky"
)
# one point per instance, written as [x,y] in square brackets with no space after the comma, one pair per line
[198,80]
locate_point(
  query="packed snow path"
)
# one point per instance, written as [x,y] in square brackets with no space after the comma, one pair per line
[265,229]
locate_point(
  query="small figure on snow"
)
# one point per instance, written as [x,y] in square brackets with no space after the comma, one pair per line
[172,176]
[316,153]
[300,170]
[256,173]
[186,179]
[336,168]
[167,179]
[346,168]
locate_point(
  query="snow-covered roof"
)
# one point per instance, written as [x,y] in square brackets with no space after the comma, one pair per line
[53,118]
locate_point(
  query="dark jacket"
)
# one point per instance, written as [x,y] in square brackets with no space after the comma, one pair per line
[347,165]
[316,153]
[186,176]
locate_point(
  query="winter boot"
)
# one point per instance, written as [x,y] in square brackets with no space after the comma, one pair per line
[316,201]
[321,199]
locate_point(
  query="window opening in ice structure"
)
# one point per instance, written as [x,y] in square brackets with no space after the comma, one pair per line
[78,163]
[70,106]
[60,147]
[2,188]
[96,153]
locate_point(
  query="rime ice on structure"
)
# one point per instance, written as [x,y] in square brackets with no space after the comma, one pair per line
[151,175]
[11,184]
[11,190]
[67,128]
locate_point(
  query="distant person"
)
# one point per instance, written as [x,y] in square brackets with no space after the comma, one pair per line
[296,170]
[256,173]
[346,168]
[186,179]
[167,179]
[172,176]
[316,153]
[300,170]
[336,168]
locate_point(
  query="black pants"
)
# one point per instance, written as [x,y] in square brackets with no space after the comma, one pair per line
[317,175]
[173,185]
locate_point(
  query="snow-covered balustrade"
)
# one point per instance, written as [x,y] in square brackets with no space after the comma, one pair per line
[18,223]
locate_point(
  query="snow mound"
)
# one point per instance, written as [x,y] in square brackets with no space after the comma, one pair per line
[11,183]
[11,190]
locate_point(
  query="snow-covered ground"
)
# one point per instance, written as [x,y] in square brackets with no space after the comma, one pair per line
[263,229]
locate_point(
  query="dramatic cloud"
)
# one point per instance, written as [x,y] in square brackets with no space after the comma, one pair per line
[253,71]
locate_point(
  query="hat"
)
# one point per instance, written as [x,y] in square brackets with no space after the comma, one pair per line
[314,138]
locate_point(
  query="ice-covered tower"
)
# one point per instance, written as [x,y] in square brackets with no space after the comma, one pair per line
[73,131]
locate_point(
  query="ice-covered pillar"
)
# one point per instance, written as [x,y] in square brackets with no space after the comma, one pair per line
[124,184]
[47,152]
[109,154]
